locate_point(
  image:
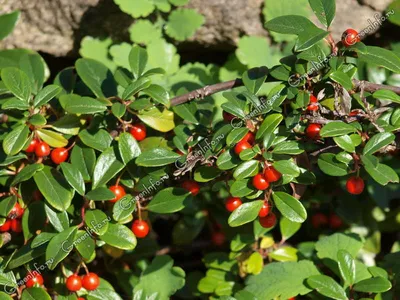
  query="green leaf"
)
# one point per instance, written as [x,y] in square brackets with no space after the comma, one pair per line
[68,124]
[27,173]
[99,140]
[308,34]
[255,51]
[342,78]
[284,254]
[377,142]
[162,121]
[35,67]
[15,140]
[345,142]
[8,22]
[206,174]
[84,159]
[158,94]
[245,213]
[97,49]
[387,96]
[144,32]
[381,173]
[74,177]
[35,293]
[141,8]
[373,285]
[128,147]
[100,194]
[246,169]
[161,278]
[25,254]
[241,188]
[288,228]
[15,103]
[59,220]
[120,54]
[34,219]
[187,111]
[290,207]
[328,164]
[60,246]
[324,10]
[37,120]
[287,167]
[52,138]
[17,82]
[270,123]
[227,160]
[253,79]
[82,105]
[54,188]
[119,236]
[124,208]
[6,205]
[7,279]
[192,20]
[135,87]
[288,147]
[97,221]
[97,77]
[138,60]
[328,246]
[381,57]
[163,55]
[170,200]
[347,267]
[326,286]
[107,166]
[85,244]
[157,157]
[118,109]
[285,280]
[336,128]
[46,94]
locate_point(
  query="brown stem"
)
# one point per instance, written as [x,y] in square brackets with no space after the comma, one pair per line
[223,86]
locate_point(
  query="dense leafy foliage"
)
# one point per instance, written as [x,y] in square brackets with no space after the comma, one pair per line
[287,183]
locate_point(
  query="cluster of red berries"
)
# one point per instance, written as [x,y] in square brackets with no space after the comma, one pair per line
[350,37]
[247,142]
[262,180]
[321,220]
[13,221]
[42,149]
[90,282]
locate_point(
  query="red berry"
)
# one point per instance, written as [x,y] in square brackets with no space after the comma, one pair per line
[242,145]
[218,238]
[90,281]
[140,228]
[268,221]
[6,226]
[42,149]
[265,209]
[227,116]
[355,185]
[272,175]
[74,283]
[34,279]
[80,298]
[138,131]
[312,107]
[191,186]
[32,146]
[350,37]
[313,99]
[16,225]
[335,221]
[319,220]
[249,137]
[118,191]
[16,212]
[259,182]
[313,130]
[232,203]
[59,155]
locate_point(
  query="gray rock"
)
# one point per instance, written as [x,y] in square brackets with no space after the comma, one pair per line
[57,26]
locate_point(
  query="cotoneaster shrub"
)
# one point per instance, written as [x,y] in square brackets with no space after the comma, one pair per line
[285,194]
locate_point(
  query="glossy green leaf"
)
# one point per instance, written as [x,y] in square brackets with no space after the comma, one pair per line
[373,285]
[156,157]
[119,236]
[82,105]
[15,140]
[46,94]
[6,204]
[387,95]
[100,194]
[162,121]
[324,10]
[135,87]
[377,142]
[284,254]
[59,220]
[345,142]
[169,200]
[288,147]
[342,78]
[128,147]
[206,174]
[27,173]
[288,228]
[253,79]
[124,208]
[381,57]
[54,139]
[60,246]
[287,167]
[328,164]
[326,286]
[74,177]
[336,128]
[138,60]
[85,244]
[245,213]
[269,124]
[97,221]
[290,207]
[54,188]
[246,169]
[107,166]
[99,140]
[8,22]
[381,173]
[84,159]
[347,267]
[35,293]
[17,82]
